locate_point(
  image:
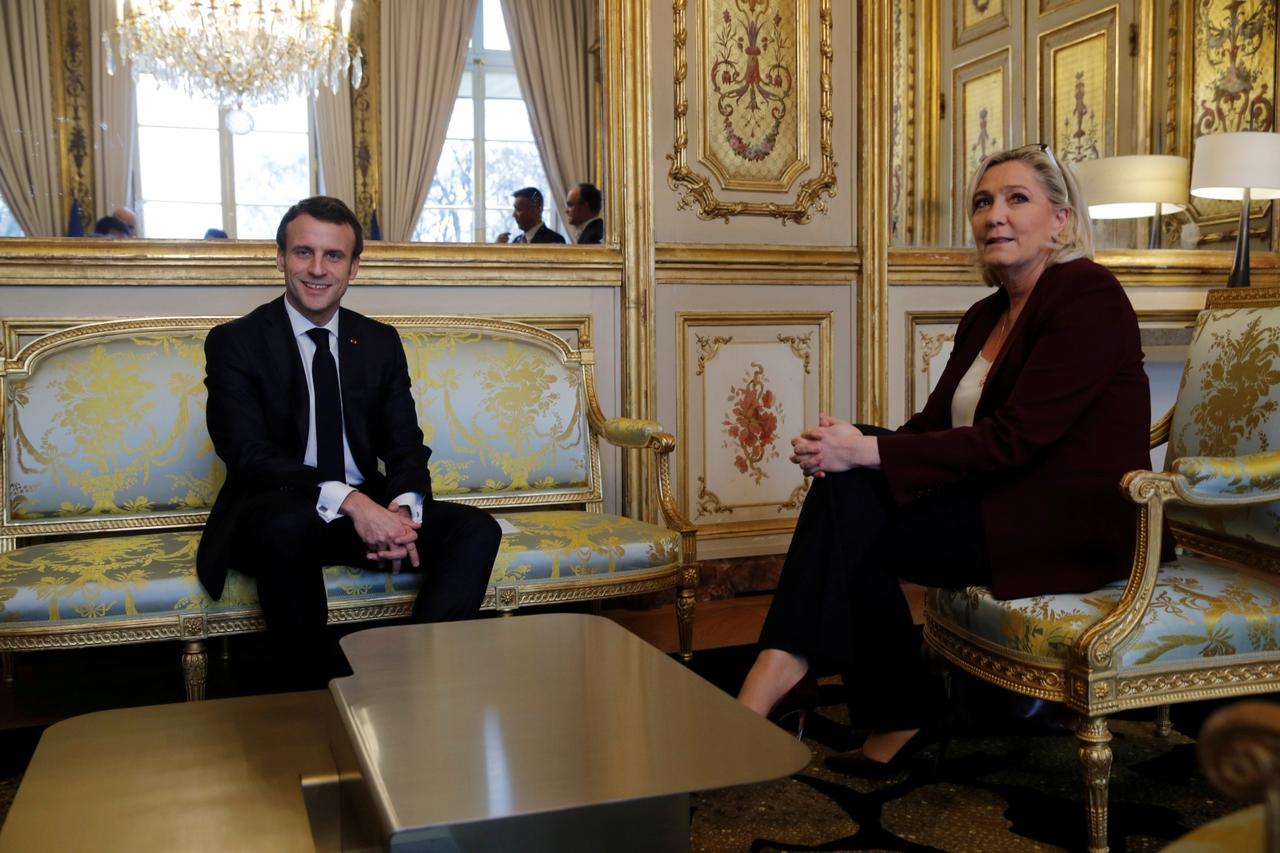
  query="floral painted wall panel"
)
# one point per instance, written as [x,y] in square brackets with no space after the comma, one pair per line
[1078,96]
[754,90]
[1233,82]
[748,384]
[982,93]
[977,18]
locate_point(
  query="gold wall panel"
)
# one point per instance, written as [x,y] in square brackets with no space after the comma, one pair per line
[1078,94]
[902,184]
[748,382]
[696,190]
[366,110]
[977,18]
[69,85]
[981,93]
[754,92]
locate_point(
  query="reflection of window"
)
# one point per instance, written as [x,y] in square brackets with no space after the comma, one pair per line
[489,151]
[9,226]
[194,174]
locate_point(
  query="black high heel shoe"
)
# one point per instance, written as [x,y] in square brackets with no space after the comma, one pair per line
[856,763]
[795,704]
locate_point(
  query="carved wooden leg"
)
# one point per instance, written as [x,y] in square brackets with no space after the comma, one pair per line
[684,622]
[195,668]
[1164,725]
[1095,760]
[6,667]
[224,649]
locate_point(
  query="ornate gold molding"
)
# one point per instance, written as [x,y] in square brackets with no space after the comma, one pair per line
[366,109]
[69,58]
[695,190]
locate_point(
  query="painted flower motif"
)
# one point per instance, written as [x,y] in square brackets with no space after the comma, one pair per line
[752,425]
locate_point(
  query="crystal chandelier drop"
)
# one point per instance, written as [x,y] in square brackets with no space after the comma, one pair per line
[237,52]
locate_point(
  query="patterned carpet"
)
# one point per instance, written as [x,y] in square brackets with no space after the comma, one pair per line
[1002,785]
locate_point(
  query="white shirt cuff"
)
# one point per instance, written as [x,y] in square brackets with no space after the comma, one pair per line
[332,494]
[413,500]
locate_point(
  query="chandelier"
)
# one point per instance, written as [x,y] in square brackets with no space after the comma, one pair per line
[237,52]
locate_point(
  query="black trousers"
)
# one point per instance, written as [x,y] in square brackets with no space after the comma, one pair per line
[839,600]
[283,543]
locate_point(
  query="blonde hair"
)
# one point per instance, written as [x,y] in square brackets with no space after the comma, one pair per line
[1075,240]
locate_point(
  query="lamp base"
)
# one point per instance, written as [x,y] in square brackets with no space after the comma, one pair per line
[1240,264]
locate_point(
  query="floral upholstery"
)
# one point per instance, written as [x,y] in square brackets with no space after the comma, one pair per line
[1229,405]
[1199,609]
[151,574]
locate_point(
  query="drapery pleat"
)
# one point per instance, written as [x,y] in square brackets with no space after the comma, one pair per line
[551,47]
[334,143]
[424,48]
[28,147]
[115,126]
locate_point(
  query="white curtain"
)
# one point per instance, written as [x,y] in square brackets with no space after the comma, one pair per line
[115,126]
[28,147]
[551,46]
[424,47]
[334,143]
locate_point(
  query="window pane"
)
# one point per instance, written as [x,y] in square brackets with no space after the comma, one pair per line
[9,226]
[259,221]
[289,116]
[499,84]
[462,124]
[464,88]
[180,219]
[454,183]
[495,28]
[506,120]
[171,108]
[271,168]
[510,166]
[445,225]
[497,221]
[179,164]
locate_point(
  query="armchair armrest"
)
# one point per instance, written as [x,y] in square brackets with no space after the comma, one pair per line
[1160,430]
[1224,480]
[635,432]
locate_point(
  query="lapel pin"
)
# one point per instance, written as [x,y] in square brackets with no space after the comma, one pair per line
[352,341]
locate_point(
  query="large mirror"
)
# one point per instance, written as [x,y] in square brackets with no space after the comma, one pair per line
[1091,78]
[189,168]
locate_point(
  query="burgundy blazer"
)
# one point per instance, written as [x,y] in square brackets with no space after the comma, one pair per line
[1064,414]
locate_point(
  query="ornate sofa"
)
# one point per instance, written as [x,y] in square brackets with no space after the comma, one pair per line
[1206,625]
[107,474]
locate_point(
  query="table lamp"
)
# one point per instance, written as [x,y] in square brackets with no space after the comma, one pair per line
[1230,166]
[1135,186]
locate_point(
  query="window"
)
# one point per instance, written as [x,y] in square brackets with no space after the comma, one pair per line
[489,150]
[9,226]
[194,174]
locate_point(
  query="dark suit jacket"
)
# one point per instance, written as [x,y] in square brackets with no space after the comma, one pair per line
[592,233]
[258,411]
[1064,414]
[542,235]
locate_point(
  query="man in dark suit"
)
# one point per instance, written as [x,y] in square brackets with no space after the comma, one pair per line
[527,212]
[325,461]
[582,210]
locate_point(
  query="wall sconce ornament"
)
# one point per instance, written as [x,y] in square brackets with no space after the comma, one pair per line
[753,104]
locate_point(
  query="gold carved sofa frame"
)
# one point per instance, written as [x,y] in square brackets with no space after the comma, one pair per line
[107,474]
[1204,626]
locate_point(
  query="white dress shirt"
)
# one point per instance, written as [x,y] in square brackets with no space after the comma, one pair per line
[332,492]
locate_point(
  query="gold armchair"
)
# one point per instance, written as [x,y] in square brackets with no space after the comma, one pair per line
[1206,625]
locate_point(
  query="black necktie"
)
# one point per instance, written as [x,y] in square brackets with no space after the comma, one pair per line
[324,376]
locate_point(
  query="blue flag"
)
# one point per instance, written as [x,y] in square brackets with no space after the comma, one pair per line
[375,233]
[75,223]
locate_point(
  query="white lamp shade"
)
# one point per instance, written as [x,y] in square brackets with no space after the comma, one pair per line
[1130,187]
[1226,164]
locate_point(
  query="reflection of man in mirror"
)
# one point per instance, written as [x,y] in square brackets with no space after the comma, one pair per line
[527,212]
[129,218]
[582,210]
[112,228]
[311,408]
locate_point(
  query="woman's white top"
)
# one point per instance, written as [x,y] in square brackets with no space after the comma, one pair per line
[964,402]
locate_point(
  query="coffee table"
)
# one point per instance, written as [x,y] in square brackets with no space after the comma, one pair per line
[540,732]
